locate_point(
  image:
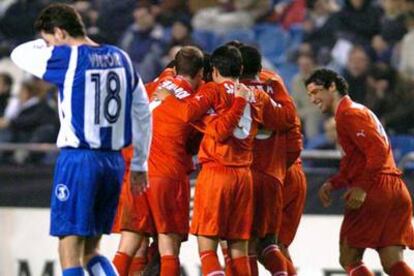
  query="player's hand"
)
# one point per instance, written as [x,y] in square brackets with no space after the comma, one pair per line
[139,182]
[243,91]
[161,94]
[354,197]
[325,194]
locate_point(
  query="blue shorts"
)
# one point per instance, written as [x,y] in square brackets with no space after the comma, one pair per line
[85,192]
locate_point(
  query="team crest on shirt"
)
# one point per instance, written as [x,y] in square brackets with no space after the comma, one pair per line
[62,192]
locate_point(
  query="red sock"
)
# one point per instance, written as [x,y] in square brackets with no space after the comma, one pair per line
[253,265]
[122,262]
[241,266]
[401,269]
[210,263]
[358,269]
[170,266]
[227,260]
[273,259]
[291,270]
[138,265]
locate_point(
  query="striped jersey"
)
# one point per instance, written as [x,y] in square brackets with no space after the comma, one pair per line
[100,94]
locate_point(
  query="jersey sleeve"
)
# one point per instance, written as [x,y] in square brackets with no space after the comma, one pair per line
[222,126]
[141,128]
[45,62]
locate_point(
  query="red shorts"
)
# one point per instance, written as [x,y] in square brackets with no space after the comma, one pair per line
[223,203]
[268,204]
[384,219]
[164,208]
[133,212]
[169,202]
[294,197]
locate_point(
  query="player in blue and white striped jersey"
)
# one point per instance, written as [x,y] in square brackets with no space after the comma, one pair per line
[103,107]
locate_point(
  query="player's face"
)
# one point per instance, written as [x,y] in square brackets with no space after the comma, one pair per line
[321,97]
[55,39]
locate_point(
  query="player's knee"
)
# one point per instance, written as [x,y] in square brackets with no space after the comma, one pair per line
[387,263]
[346,260]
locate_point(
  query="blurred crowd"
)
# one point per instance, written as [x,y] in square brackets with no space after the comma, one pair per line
[369,41]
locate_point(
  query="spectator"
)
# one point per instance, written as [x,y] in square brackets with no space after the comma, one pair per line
[358,21]
[310,116]
[17,22]
[356,73]
[36,122]
[173,10]
[319,26]
[391,98]
[406,66]
[181,34]
[229,15]
[142,41]
[392,30]
[6,83]
[114,18]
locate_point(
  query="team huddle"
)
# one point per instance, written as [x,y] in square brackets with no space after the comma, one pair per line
[240,121]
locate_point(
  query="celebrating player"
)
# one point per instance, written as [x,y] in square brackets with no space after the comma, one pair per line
[378,204]
[102,102]
[223,202]
[268,168]
[164,208]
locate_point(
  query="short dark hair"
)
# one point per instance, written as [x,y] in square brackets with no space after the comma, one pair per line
[227,60]
[188,61]
[252,60]
[207,72]
[235,43]
[60,16]
[326,77]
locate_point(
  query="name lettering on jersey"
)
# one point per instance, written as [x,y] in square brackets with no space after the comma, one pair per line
[266,88]
[361,133]
[105,61]
[229,88]
[178,91]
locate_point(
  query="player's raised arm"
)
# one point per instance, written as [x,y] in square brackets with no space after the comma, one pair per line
[191,109]
[141,128]
[32,56]
[222,127]
[51,63]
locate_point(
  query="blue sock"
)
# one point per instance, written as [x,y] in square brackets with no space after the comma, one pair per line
[73,271]
[100,266]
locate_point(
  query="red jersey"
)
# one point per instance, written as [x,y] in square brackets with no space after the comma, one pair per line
[151,86]
[270,148]
[365,144]
[168,155]
[230,124]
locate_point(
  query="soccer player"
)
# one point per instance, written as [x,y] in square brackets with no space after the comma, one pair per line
[167,198]
[378,205]
[290,172]
[223,202]
[268,169]
[102,102]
